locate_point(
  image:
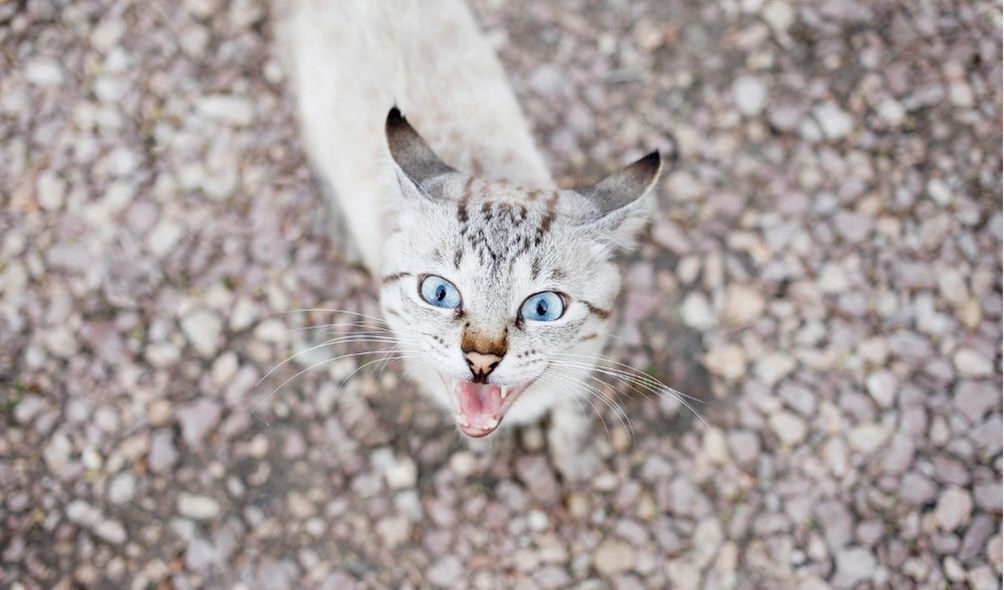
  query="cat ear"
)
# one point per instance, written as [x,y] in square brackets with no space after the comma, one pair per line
[412,155]
[622,201]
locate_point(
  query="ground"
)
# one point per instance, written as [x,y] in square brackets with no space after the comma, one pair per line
[824,273]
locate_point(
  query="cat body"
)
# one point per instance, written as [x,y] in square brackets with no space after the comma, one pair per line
[497,285]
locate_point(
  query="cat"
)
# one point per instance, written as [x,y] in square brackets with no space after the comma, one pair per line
[497,285]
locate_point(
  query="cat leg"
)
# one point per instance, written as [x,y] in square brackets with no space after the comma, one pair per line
[570,441]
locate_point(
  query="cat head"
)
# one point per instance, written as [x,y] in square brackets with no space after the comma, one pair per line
[494,285]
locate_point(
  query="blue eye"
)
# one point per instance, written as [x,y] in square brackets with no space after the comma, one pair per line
[543,307]
[439,292]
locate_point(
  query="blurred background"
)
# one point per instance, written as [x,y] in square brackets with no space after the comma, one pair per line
[824,274]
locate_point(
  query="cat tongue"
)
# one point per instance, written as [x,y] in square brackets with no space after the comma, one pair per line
[479,403]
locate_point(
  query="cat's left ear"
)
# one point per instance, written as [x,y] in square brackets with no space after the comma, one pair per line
[413,156]
[623,201]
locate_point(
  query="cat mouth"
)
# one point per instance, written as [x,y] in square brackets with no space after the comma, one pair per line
[481,407]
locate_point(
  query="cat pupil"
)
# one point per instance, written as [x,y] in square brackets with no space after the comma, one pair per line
[541,307]
[440,293]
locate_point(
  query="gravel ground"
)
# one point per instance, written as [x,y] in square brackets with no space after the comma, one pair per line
[824,274]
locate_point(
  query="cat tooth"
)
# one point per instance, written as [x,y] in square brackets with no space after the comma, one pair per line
[463,421]
[505,392]
[492,425]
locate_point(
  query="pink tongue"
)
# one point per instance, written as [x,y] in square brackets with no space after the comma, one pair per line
[479,403]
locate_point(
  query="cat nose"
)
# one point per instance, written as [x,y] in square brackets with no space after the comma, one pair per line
[481,364]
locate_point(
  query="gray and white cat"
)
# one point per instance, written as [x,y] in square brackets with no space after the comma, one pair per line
[498,285]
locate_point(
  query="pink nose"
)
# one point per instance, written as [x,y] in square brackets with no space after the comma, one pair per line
[481,364]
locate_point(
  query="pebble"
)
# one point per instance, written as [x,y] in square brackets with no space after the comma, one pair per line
[772,367]
[954,508]
[727,361]
[237,111]
[835,122]
[788,427]
[122,488]
[867,438]
[970,363]
[750,95]
[202,327]
[882,386]
[445,571]
[744,304]
[89,517]
[163,455]
[198,419]
[854,565]
[696,312]
[198,507]
[612,557]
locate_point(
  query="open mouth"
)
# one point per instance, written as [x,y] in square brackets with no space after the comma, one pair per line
[481,406]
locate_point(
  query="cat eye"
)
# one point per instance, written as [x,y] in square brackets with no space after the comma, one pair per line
[436,290]
[543,307]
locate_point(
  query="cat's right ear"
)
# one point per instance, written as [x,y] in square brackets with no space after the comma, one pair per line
[412,155]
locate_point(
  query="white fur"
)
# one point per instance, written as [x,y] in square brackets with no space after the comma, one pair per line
[349,63]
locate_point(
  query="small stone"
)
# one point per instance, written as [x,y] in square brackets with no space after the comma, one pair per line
[778,14]
[939,191]
[202,327]
[463,463]
[445,571]
[867,438]
[237,111]
[971,363]
[954,508]
[44,71]
[402,474]
[163,238]
[683,574]
[973,399]
[834,121]
[726,360]
[50,190]
[612,557]
[122,488]
[57,452]
[163,455]
[772,367]
[882,386]
[696,312]
[224,368]
[788,427]
[749,95]
[854,565]
[198,507]
[714,446]
[272,331]
[744,304]
[197,419]
[160,412]
[243,314]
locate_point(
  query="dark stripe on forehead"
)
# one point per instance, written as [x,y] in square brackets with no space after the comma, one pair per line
[597,311]
[395,277]
[545,224]
[465,196]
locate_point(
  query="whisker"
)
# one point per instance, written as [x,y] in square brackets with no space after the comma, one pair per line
[254,409]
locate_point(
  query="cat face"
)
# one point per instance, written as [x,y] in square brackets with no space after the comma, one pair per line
[491,284]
